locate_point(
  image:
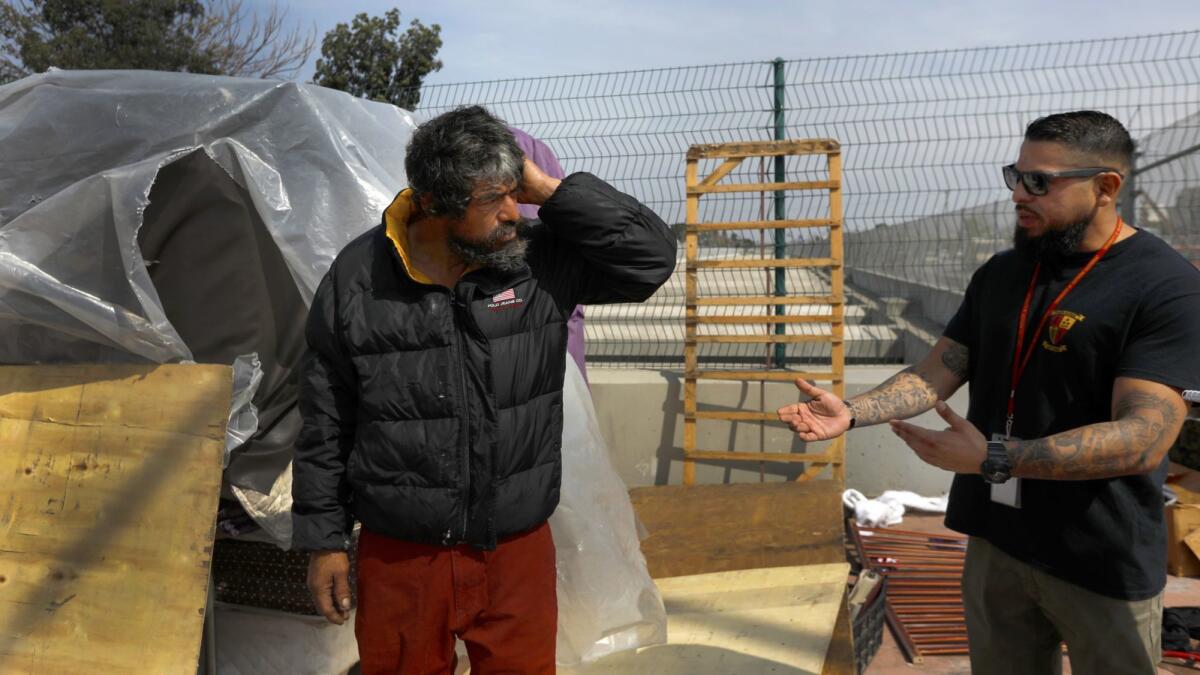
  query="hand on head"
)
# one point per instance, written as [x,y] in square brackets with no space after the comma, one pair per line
[536,186]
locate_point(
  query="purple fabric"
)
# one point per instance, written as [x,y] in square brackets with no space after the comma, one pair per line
[541,155]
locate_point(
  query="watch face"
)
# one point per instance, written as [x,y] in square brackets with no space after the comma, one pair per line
[995,468]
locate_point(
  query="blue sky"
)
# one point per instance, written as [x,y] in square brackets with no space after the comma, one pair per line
[526,38]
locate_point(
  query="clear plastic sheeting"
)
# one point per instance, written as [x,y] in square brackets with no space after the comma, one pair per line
[243,416]
[81,150]
[606,600]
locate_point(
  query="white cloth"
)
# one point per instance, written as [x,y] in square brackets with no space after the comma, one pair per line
[888,508]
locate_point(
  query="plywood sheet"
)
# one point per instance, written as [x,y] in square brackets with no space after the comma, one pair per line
[110,477]
[776,620]
[697,529]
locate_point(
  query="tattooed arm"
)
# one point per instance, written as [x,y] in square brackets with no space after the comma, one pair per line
[914,390]
[1147,417]
[910,392]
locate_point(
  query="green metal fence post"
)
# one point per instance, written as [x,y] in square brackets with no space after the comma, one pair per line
[1127,202]
[780,208]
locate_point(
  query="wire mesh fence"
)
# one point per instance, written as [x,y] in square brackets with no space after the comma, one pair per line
[923,137]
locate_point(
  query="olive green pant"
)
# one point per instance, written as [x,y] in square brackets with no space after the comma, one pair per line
[1018,615]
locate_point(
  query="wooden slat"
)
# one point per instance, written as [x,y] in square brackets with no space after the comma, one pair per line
[837,289]
[736,415]
[808,146]
[763,225]
[690,350]
[722,171]
[763,187]
[752,263]
[759,375]
[726,456]
[766,319]
[813,469]
[111,476]
[734,300]
[713,528]
[764,339]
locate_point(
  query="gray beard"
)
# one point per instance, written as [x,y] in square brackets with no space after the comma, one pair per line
[1053,247]
[486,252]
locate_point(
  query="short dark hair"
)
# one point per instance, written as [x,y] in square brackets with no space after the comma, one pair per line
[451,154]
[1089,132]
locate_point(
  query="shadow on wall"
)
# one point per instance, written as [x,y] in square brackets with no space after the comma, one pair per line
[748,437]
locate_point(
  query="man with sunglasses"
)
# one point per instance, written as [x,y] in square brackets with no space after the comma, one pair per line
[1076,344]
[432,397]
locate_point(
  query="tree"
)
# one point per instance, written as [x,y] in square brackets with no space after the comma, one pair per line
[195,36]
[370,60]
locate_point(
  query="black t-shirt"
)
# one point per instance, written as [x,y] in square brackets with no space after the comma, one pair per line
[1136,314]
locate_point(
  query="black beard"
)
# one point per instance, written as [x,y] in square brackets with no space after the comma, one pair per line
[1053,247]
[488,252]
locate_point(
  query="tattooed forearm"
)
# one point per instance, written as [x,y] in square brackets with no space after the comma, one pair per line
[1145,426]
[955,358]
[907,393]
[914,390]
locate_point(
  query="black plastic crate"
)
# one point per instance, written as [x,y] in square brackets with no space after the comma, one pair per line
[257,574]
[868,626]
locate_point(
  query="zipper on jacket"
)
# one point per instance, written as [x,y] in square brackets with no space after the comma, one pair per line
[466,451]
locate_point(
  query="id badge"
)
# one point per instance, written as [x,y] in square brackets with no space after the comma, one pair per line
[1007,493]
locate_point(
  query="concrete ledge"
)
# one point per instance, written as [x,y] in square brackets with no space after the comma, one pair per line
[641,416]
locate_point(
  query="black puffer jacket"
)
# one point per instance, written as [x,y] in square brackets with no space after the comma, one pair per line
[435,416]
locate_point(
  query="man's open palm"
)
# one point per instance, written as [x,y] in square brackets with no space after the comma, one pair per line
[823,417]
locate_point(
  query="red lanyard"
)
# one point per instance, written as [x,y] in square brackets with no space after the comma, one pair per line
[1020,362]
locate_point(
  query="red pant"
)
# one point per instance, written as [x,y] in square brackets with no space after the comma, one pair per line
[413,599]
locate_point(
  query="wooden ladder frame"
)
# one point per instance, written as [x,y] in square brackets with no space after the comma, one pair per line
[733,155]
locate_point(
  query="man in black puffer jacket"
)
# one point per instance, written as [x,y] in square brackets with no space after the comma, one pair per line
[432,397]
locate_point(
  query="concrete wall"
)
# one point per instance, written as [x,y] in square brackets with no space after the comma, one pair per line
[641,416]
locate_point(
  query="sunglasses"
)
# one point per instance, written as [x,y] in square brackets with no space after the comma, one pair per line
[1037,183]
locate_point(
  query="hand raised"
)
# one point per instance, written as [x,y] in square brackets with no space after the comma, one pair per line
[536,186]
[822,417]
[960,447]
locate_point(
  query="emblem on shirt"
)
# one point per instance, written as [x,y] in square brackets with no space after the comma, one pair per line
[1060,323]
[505,299]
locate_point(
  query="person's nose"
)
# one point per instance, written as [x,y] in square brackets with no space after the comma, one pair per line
[509,211]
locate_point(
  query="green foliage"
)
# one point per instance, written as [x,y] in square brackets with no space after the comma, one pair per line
[99,34]
[195,36]
[371,60]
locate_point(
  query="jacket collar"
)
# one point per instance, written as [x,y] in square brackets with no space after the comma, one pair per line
[395,222]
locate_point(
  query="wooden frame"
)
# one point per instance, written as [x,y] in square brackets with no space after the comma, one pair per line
[733,154]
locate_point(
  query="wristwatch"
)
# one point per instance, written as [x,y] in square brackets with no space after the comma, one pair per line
[853,419]
[997,468]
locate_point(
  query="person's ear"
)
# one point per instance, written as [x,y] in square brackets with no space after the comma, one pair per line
[425,201]
[1108,186]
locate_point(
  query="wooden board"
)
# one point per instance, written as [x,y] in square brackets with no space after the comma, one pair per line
[809,146]
[744,622]
[111,476]
[700,529]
